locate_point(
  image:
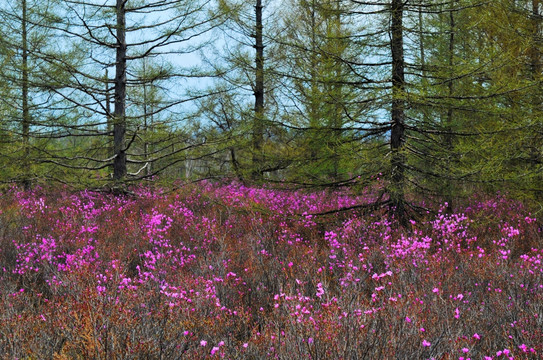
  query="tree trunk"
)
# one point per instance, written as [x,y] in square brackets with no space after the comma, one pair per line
[421,42]
[25,103]
[398,113]
[450,112]
[258,125]
[314,116]
[146,124]
[535,52]
[535,68]
[109,118]
[119,126]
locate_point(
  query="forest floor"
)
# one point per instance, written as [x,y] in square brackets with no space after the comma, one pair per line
[234,272]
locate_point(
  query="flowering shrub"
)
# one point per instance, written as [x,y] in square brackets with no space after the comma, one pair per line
[229,271]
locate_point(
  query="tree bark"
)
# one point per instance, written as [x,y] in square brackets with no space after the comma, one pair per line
[258,122]
[450,111]
[397,135]
[109,118]
[119,126]
[314,116]
[25,103]
[146,119]
[421,42]
[536,67]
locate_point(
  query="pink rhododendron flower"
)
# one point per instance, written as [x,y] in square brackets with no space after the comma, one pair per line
[426,343]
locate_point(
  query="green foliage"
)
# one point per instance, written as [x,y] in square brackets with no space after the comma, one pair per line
[472,93]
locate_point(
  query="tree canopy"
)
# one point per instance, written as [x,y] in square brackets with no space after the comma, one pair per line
[441,98]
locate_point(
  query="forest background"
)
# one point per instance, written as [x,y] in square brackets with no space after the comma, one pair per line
[440,98]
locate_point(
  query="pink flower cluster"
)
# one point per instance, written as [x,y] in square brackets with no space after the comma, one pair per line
[233,271]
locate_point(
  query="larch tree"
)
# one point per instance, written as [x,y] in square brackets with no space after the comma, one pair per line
[28,52]
[123,34]
[258,125]
[243,62]
[472,117]
[319,90]
[397,112]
